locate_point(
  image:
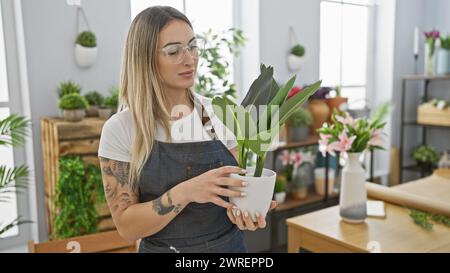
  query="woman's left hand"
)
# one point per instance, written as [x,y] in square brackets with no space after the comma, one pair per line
[243,220]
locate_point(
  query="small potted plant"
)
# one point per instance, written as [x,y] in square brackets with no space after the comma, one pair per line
[73,107]
[86,49]
[68,87]
[280,189]
[256,124]
[443,63]
[95,99]
[319,108]
[335,101]
[295,58]
[426,157]
[298,125]
[109,105]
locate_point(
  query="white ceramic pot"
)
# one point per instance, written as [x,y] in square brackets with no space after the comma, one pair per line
[259,192]
[85,56]
[74,115]
[295,62]
[353,195]
[443,62]
[104,113]
[280,197]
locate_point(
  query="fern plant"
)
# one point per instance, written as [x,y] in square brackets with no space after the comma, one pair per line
[13,131]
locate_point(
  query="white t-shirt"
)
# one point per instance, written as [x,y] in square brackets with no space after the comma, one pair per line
[118,132]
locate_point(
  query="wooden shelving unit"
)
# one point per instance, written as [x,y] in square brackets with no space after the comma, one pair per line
[404,123]
[62,138]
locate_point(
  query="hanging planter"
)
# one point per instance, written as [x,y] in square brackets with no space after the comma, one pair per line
[85,44]
[86,49]
[295,58]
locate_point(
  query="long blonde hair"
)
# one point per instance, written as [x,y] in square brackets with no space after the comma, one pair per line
[141,87]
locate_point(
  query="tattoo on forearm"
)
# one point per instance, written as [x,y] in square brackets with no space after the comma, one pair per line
[119,191]
[162,209]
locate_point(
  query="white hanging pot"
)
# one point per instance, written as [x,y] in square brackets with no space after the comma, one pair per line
[85,56]
[353,196]
[295,62]
[259,192]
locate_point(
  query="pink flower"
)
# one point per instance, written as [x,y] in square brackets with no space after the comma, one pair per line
[347,120]
[296,159]
[293,91]
[324,147]
[376,139]
[344,144]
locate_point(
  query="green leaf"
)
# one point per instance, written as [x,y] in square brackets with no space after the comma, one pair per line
[260,89]
[13,130]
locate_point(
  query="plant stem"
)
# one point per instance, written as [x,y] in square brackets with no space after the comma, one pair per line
[259,165]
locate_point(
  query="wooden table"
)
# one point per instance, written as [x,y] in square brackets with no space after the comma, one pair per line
[323,231]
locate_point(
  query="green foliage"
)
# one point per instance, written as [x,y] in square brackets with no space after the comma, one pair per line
[214,69]
[298,50]
[72,102]
[257,132]
[68,87]
[299,118]
[425,154]
[445,43]
[77,192]
[424,219]
[280,184]
[94,98]
[87,39]
[13,130]
[111,101]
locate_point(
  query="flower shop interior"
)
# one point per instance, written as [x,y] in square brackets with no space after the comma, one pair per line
[362,165]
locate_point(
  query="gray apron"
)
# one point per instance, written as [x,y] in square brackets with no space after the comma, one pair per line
[198,227]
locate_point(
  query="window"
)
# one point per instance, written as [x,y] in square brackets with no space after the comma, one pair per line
[8,209]
[344,41]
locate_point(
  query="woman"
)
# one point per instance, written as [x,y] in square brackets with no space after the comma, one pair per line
[164,181]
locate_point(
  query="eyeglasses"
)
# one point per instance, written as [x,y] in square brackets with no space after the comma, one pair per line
[175,53]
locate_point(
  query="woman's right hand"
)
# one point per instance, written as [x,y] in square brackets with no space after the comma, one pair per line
[209,186]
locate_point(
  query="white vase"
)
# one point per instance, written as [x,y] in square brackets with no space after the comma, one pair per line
[259,192]
[430,60]
[85,56]
[353,195]
[295,62]
[443,61]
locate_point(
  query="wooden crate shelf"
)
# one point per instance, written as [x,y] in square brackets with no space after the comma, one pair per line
[62,138]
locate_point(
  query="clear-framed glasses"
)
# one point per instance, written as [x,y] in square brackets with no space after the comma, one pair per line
[175,53]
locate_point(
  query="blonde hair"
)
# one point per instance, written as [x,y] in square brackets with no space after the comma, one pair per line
[141,87]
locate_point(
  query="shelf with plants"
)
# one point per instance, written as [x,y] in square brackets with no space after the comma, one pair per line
[425,126]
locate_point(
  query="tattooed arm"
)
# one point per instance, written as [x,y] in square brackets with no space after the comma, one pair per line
[136,220]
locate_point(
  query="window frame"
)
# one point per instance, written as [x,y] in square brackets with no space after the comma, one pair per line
[370,57]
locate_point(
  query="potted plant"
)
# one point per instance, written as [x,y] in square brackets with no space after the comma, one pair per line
[256,123]
[109,105]
[86,49]
[295,58]
[68,87]
[443,63]
[430,57]
[336,101]
[214,70]
[13,130]
[302,173]
[95,99]
[426,157]
[319,109]
[298,125]
[280,189]
[351,137]
[73,107]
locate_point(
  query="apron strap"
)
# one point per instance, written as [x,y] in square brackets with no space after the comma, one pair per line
[206,120]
